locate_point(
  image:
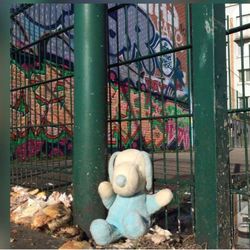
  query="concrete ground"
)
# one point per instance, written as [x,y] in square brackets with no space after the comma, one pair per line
[237,156]
[52,174]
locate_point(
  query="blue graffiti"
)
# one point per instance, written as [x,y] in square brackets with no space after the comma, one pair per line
[39,21]
[132,34]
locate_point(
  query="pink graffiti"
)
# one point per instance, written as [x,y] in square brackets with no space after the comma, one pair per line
[56,152]
[28,149]
[182,134]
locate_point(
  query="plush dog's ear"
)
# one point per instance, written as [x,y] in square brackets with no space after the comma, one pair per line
[148,170]
[111,164]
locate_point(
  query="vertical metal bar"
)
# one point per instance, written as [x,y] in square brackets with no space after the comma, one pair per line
[190,109]
[89,155]
[177,174]
[109,94]
[212,201]
[118,79]
[4,125]
[229,106]
[22,163]
[40,90]
[127,97]
[43,63]
[237,97]
[59,173]
[34,115]
[139,87]
[12,80]
[14,124]
[18,123]
[28,101]
[228,67]
[51,163]
[163,102]
[65,83]
[71,86]
[152,148]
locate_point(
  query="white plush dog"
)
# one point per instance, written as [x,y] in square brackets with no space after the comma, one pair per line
[130,208]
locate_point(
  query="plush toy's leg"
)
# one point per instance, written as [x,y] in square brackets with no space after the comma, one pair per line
[134,225]
[103,233]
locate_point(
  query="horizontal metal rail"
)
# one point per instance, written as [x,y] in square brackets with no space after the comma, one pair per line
[141,58]
[176,181]
[238,29]
[117,7]
[49,35]
[151,118]
[239,191]
[42,126]
[230,111]
[44,82]
[21,9]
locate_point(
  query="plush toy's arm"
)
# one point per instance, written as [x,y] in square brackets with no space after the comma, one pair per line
[156,201]
[106,193]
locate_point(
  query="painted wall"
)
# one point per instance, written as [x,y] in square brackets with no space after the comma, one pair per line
[138,31]
[42,115]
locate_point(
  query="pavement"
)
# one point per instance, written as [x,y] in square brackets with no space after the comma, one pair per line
[184,167]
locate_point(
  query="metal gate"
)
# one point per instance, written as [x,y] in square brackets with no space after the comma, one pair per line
[149,97]
[42,90]
[150,104]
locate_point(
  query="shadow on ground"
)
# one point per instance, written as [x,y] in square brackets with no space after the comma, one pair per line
[25,238]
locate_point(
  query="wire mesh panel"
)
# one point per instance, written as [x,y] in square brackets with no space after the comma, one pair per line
[42,90]
[149,95]
[238,70]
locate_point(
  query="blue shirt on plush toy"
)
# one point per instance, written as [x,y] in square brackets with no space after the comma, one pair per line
[130,208]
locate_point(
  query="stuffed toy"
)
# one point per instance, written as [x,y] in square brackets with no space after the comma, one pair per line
[130,208]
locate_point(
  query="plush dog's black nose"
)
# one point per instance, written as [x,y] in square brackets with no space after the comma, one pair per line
[121,180]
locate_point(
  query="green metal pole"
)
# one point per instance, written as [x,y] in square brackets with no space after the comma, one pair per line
[212,198]
[90,141]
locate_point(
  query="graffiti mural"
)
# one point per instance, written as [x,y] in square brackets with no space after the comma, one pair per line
[149,135]
[149,87]
[134,33]
[41,81]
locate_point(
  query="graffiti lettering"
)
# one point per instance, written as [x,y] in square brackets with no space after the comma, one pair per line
[138,133]
[133,33]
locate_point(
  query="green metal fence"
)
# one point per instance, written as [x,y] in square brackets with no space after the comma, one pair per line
[149,97]
[41,94]
[238,24]
[166,94]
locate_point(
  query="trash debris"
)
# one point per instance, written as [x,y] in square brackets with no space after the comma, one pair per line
[127,244]
[39,220]
[58,222]
[56,197]
[73,244]
[163,232]
[34,192]
[158,239]
[34,209]
[73,232]
[37,210]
